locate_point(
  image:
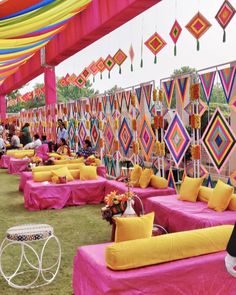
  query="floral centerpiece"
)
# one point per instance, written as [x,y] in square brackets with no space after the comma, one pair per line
[115,204]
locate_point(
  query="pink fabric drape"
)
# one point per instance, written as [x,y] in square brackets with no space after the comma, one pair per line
[50,85]
[3,107]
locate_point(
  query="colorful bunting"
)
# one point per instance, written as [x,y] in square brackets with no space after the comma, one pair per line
[182,87]
[229,181]
[209,182]
[168,88]
[147,89]
[80,81]
[82,133]
[227,77]
[218,140]
[93,69]
[125,136]
[86,73]
[155,43]
[224,16]
[190,170]
[127,97]
[171,180]
[202,107]
[146,137]
[119,58]
[177,139]
[207,82]
[198,26]
[175,34]
[101,66]
[232,103]
[138,92]
[109,135]
[95,133]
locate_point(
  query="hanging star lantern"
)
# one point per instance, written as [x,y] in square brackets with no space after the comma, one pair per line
[198,26]
[224,16]
[175,34]
[131,55]
[109,64]
[119,58]
[155,43]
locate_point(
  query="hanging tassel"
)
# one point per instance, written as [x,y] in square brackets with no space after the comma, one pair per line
[141,64]
[93,79]
[155,59]
[101,75]
[119,69]
[224,36]
[175,50]
[198,45]
[132,68]
[109,75]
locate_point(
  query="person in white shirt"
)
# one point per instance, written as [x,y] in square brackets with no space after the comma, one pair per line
[35,144]
[14,142]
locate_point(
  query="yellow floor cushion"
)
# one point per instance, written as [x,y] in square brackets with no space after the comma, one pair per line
[169,247]
[74,161]
[221,196]
[61,172]
[133,228]
[204,194]
[145,178]
[189,189]
[135,175]
[88,173]
[158,182]
[75,173]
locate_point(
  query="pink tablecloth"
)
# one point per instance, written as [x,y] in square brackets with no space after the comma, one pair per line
[203,275]
[17,165]
[176,215]
[120,187]
[5,159]
[25,176]
[40,196]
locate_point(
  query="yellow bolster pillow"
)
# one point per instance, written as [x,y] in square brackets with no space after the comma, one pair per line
[42,176]
[204,194]
[22,154]
[164,248]
[232,203]
[75,166]
[60,162]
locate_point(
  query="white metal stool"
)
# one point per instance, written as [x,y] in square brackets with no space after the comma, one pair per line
[26,236]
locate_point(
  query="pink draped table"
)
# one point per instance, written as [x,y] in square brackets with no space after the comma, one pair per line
[27,175]
[202,275]
[5,159]
[16,166]
[176,215]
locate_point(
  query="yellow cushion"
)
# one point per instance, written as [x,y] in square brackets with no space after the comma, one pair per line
[132,228]
[135,175]
[74,161]
[54,155]
[74,166]
[75,173]
[221,196]
[42,176]
[63,172]
[158,182]
[88,173]
[204,194]
[23,153]
[170,247]
[232,203]
[98,162]
[189,189]
[145,178]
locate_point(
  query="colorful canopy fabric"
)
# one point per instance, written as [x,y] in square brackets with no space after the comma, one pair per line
[26,26]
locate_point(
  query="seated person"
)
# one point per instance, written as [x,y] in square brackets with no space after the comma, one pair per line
[14,142]
[2,146]
[42,152]
[35,144]
[63,148]
[87,150]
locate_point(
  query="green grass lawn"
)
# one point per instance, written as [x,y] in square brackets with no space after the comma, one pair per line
[74,226]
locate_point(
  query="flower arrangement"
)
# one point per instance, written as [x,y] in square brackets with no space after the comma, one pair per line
[115,204]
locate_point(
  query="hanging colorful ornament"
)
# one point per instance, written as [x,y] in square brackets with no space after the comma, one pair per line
[227,77]
[109,64]
[101,66]
[63,82]
[209,182]
[93,69]
[224,16]
[171,180]
[155,43]
[119,58]
[182,87]
[141,62]
[80,81]
[207,82]
[86,73]
[175,34]
[198,26]
[232,103]
[168,88]
[131,56]
[229,181]
[146,137]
